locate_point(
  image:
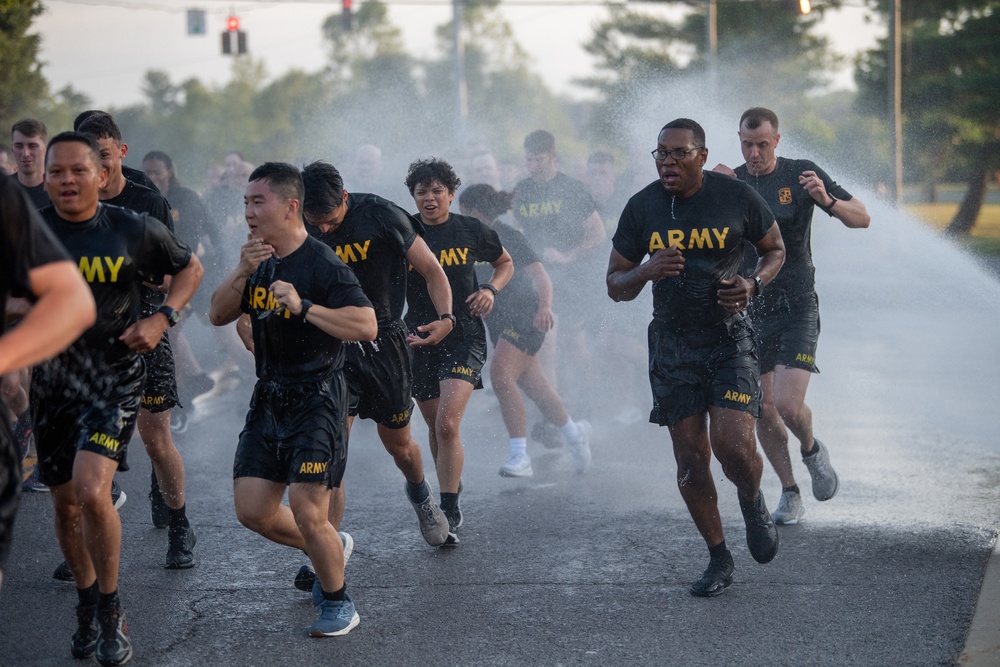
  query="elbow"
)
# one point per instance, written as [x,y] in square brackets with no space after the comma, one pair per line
[865,221]
[216,318]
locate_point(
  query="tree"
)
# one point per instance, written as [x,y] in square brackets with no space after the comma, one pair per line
[22,86]
[950,94]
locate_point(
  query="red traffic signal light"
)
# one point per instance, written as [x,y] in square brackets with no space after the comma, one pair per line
[233,23]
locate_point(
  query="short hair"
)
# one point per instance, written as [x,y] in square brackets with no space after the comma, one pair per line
[687,124]
[540,141]
[756,116]
[601,157]
[425,172]
[284,179]
[486,200]
[76,137]
[167,162]
[323,187]
[30,127]
[101,125]
[84,115]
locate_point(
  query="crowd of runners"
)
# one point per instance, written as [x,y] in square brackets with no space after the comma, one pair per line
[353,305]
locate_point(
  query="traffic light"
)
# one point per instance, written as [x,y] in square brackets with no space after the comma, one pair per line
[346,21]
[233,39]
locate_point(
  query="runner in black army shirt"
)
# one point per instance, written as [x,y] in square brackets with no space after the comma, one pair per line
[517,326]
[85,440]
[303,303]
[702,355]
[160,391]
[34,264]
[378,240]
[445,374]
[786,315]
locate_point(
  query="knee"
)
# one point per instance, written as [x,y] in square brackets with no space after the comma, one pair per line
[788,409]
[251,521]
[447,429]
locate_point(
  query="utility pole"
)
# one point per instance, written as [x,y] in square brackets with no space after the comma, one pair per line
[896,97]
[712,37]
[458,69]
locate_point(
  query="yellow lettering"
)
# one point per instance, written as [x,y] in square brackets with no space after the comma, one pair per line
[557,205]
[92,270]
[547,208]
[363,249]
[721,236]
[655,242]
[533,210]
[114,267]
[257,298]
[464,252]
[94,438]
[346,254]
[675,237]
[700,239]
[448,257]
[522,211]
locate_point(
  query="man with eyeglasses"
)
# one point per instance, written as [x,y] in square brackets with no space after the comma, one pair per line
[692,225]
[786,315]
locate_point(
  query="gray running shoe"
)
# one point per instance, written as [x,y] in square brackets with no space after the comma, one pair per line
[433,523]
[824,477]
[580,448]
[790,509]
[518,465]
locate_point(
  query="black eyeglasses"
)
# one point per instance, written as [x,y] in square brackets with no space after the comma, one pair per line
[678,153]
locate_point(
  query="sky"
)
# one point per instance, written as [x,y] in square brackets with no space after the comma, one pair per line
[152,34]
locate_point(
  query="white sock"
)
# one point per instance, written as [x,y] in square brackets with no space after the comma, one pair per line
[570,431]
[518,445]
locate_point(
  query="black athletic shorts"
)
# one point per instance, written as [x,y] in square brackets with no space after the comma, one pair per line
[461,359]
[692,370]
[10,485]
[160,392]
[379,377]
[96,416]
[295,432]
[788,333]
[522,335]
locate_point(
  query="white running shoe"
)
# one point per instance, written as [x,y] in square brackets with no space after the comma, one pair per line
[580,448]
[518,465]
[790,509]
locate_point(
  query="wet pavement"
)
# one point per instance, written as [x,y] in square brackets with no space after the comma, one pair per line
[561,569]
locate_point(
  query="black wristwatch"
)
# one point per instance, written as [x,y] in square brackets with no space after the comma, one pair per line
[490,288]
[760,286]
[173,317]
[306,305]
[449,316]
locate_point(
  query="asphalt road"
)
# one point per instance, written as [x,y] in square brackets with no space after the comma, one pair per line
[594,570]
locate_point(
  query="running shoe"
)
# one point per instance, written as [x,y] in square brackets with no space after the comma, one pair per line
[178,421]
[85,638]
[113,646]
[336,618]
[716,578]
[548,434]
[62,572]
[32,480]
[580,448]
[824,477]
[180,547]
[518,465]
[118,496]
[158,510]
[305,578]
[762,535]
[790,509]
[433,524]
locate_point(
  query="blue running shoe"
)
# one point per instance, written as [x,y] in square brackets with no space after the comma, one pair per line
[336,618]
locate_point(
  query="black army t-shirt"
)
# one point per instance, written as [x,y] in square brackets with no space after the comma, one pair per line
[141,199]
[457,243]
[709,228]
[116,250]
[286,347]
[552,214]
[373,240]
[518,302]
[793,208]
[38,195]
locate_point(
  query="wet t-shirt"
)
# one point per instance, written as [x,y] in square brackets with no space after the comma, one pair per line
[286,347]
[552,214]
[37,194]
[116,250]
[793,209]
[373,240]
[141,199]
[518,301]
[709,228]
[458,243]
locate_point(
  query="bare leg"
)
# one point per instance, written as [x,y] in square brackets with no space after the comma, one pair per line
[309,506]
[259,508]
[154,428]
[450,457]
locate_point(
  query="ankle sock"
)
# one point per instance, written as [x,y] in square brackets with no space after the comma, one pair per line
[336,596]
[518,445]
[794,488]
[177,517]
[89,596]
[449,501]
[718,551]
[419,492]
[570,431]
[108,600]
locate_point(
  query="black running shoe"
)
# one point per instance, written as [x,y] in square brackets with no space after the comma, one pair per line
[716,578]
[113,646]
[762,534]
[158,509]
[305,578]
[63,573]
[180,547]
[85,638]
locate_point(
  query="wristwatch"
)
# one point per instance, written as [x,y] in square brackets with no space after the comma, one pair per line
[449,316]
[173,317]
[759,289]
[306,305]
